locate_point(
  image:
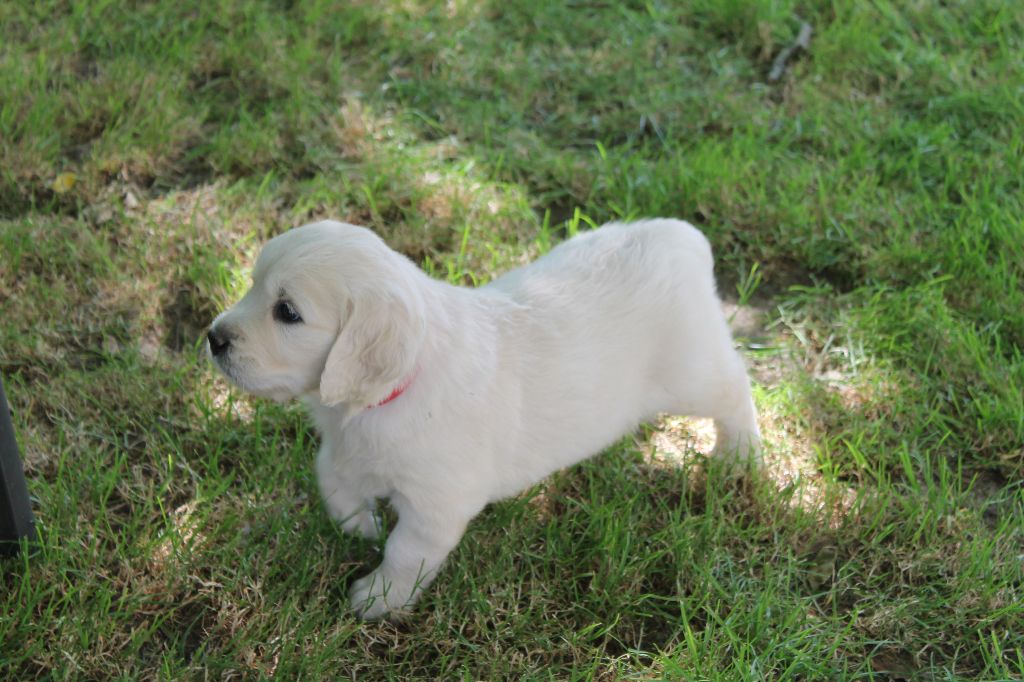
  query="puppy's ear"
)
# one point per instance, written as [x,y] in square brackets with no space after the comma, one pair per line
[376,349]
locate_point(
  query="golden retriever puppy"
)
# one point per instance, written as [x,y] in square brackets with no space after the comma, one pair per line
[443,398]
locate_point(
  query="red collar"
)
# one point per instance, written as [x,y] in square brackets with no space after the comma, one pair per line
[399,390]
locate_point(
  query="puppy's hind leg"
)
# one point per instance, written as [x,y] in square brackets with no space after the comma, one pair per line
[737,437]
[717,386]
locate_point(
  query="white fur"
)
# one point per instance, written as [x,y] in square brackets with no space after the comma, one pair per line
[541,368]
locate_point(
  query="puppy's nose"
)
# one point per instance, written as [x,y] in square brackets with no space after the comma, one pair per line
[219,342]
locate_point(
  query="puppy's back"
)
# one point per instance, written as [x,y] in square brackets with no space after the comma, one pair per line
[613,261]
[610,323]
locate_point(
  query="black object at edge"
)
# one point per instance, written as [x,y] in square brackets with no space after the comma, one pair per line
[15,509]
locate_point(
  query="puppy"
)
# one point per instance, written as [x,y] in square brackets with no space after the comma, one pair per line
[442,398]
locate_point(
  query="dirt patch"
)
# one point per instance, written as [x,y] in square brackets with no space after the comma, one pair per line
[185,319]
[990,493]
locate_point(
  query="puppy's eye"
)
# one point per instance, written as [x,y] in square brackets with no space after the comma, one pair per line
[286,312]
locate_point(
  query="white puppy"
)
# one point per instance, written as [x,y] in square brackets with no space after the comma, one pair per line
[443,399]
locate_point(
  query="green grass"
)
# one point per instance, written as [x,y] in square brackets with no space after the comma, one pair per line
[866,209]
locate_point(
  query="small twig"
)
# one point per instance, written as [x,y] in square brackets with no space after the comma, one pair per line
[802,42]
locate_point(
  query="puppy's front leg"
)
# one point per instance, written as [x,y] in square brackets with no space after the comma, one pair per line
[345,502]
[413,555]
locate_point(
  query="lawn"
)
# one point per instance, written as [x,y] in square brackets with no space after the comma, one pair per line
[866,215]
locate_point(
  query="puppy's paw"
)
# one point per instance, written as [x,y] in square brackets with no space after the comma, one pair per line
[354,516]
[374,596]
[740,449]
[366,524]
[739,455]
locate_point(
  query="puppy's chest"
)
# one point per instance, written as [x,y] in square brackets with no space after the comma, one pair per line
[372,454]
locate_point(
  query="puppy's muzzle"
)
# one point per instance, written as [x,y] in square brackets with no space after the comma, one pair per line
[219,342]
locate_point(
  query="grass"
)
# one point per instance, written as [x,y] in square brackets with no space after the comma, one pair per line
[865,211]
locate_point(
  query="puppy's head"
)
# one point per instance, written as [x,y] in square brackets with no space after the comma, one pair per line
[333,314]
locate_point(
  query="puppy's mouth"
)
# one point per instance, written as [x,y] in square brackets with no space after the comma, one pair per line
[224,365]
[236,375]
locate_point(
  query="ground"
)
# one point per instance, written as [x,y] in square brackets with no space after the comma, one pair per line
[865,213]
